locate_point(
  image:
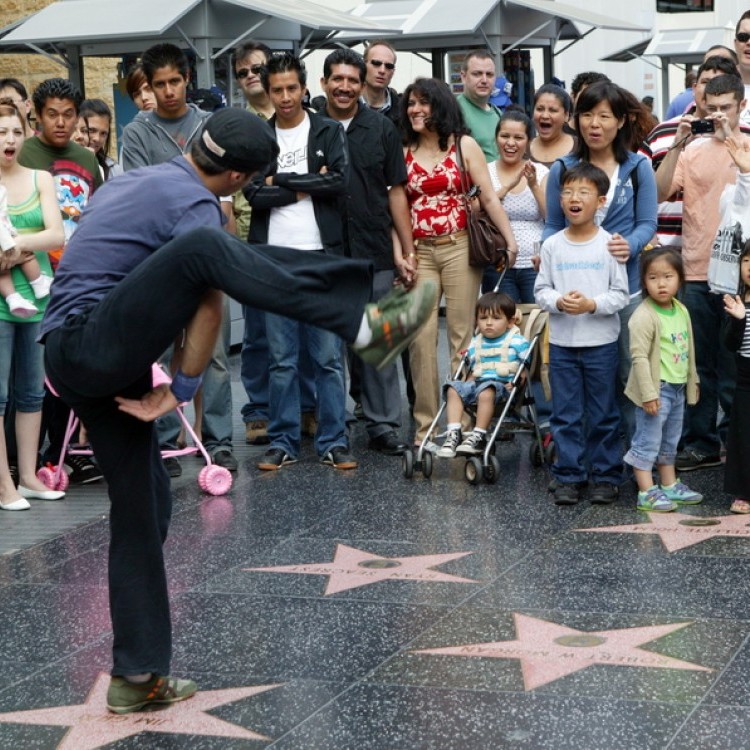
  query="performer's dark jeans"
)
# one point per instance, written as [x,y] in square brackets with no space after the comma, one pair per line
[108,351]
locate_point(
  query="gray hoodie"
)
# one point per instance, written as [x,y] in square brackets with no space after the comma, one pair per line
[148,140]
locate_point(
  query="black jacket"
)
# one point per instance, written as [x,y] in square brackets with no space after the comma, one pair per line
[326,147]
[376,162]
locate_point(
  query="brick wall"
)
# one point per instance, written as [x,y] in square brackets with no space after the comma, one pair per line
[100,73]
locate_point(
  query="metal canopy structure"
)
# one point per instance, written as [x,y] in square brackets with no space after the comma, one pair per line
[626,54]
[688,45]
[430,23]
[500,25]
[69,29]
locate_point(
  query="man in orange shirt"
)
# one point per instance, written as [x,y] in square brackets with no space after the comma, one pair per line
[701,167]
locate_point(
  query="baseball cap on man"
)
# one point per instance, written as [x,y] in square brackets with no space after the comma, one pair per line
[239,140]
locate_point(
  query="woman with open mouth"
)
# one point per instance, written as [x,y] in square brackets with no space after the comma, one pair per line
[520,185]
[552,108]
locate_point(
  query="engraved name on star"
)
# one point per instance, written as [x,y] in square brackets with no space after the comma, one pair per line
[352,568]
[548,651]
[678,531]
[92,726]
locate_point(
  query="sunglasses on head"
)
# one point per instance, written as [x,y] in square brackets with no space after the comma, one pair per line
[380,63]
[742,37]
[245,72]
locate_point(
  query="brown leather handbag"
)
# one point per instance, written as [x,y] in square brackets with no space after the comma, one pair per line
[487,246]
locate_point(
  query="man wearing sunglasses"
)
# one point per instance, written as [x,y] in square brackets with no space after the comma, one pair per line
[380,59]
[742,48]
[249,59]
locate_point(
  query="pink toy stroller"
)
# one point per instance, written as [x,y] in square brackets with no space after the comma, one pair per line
[215,480]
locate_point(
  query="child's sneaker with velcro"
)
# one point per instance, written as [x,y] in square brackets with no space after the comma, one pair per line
[682,494]
[654,500]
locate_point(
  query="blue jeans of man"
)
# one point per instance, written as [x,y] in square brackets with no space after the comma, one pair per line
[379,390]
[716,371]
[254,369]
[108,350]
[657,435]
[325,350]
[585,419]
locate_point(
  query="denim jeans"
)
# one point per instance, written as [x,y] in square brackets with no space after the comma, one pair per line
[656,436]
[518,283]
[583,381]
[716,370]
[379,390]
[254,369]
[325,350]
[21,355]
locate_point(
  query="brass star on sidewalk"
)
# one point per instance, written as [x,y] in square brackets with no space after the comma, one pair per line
[352,568]
[678,530]
[92,725]
[549,651]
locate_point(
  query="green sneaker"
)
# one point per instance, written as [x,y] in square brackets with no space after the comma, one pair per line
[395,320]
[682,494]
[124,697]
[654,500]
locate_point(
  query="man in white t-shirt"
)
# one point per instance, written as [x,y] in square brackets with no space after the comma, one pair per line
[298,205]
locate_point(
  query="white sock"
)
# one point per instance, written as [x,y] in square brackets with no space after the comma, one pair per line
[20,307]
[454,426]
[41,286]
[480,432]
[364,335]
[138,679]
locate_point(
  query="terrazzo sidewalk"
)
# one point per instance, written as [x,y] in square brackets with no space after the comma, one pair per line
[326,609]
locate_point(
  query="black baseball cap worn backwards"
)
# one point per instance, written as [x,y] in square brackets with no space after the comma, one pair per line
[239,140]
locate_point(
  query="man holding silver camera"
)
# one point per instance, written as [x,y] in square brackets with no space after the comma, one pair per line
[700,166]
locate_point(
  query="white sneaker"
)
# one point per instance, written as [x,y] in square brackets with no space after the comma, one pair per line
[451,442]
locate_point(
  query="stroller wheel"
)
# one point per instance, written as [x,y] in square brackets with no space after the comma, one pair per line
[407,463]
[216,480]
[492,470]
[427,464]
[46,475]
[473,470]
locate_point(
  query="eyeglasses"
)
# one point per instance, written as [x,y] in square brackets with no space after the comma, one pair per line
[743,37]
[245,72]
[381,64]
[583,194]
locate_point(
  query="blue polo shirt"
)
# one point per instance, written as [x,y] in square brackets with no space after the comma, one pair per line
[126,220]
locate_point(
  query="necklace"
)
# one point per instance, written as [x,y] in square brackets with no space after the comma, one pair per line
[435,156]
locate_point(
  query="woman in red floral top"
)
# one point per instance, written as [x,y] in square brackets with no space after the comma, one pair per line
[431,120]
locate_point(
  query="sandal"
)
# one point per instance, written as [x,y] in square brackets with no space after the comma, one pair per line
[739,506]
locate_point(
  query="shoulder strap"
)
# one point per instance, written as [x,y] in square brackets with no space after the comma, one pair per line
[461,169]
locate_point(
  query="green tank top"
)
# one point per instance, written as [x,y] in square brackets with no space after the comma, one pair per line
[27,218]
